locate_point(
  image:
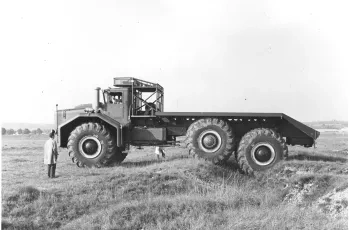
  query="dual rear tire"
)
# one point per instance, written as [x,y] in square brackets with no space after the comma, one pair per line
[260,149]
[214,140]
[211,139]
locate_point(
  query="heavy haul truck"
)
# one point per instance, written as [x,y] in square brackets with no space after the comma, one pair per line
[132,114]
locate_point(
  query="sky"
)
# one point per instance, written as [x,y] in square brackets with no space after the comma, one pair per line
[210,56]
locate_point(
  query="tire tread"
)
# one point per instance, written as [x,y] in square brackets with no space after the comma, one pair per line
[202,123]
[248,138]
[102,130]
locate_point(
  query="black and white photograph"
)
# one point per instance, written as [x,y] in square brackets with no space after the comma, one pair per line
[174,115]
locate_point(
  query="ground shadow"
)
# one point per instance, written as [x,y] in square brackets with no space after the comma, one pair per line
[231,165]
[309,157]
[144,163]
[133,164]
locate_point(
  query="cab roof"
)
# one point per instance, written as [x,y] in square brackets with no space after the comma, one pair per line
[135,83]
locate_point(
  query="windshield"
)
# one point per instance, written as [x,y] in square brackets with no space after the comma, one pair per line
[112,97]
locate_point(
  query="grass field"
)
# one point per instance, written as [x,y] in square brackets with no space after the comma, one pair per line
[307,191]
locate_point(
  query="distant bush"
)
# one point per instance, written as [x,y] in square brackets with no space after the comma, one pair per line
[39,131]
[327,124]
[21,131]
[10,132]
[26,131]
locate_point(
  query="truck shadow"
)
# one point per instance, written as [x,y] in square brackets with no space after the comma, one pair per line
[231,164]
[308,157]
[138,164]
[147,162]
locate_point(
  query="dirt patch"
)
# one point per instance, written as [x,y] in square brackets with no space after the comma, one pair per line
[298,192]
[290,169]
[334,203]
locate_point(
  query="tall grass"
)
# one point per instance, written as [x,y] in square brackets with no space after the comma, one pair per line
[179,193]
[179,196]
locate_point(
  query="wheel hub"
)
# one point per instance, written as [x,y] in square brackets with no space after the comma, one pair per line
[209,141]
[90,147]
[263,154]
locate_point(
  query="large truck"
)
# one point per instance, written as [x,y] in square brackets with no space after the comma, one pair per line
[132,114]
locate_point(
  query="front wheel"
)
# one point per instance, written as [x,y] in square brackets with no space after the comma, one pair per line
[91,144]
[260,149]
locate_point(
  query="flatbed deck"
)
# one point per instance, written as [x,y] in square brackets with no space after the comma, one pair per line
[310,132]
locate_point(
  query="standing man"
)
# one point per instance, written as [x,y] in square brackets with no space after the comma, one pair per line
[50,154]
[159,151]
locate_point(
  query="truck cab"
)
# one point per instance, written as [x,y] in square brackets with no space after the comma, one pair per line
[132,98]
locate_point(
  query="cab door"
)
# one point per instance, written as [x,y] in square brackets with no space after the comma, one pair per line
[115,106]
[118,110]
[115,111]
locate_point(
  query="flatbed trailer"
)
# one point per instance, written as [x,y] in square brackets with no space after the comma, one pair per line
[296,132]
[132,114]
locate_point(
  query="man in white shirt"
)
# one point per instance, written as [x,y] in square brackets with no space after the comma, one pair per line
[50,154]
[158,151]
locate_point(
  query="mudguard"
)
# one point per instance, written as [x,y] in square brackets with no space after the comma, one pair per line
[68,126]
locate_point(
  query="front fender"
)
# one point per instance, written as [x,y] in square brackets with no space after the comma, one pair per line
[68,126]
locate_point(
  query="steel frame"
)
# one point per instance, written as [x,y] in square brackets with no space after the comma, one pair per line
[138,87]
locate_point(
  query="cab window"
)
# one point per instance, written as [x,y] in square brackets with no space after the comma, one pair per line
[116,98]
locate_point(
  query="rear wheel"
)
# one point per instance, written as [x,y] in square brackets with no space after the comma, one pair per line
[91,144]
[189,130]
[211,139]
[260,149]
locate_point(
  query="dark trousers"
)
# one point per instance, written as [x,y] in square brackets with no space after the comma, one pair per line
[51,170]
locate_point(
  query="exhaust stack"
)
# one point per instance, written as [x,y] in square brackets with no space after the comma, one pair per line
[96,103]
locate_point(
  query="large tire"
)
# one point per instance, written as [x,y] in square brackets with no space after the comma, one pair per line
[91,144]
[260,149]
[211,139]
[188,133]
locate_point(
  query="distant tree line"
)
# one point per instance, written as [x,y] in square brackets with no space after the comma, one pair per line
[23,131]
[327,124]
